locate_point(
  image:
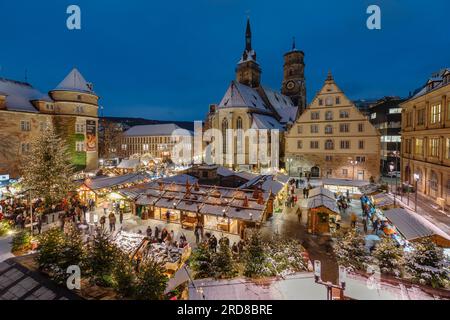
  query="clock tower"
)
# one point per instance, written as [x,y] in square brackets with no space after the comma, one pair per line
[248,71]
[293,84]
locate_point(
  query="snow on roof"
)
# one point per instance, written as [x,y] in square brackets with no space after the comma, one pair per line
[225,172]
[129,164]
[282,104]
[435,77]
[74,81]
[273,183]
[20,94]
[321,190]
[165,129]
[261,121]
[345,182]
[239,95]
[322,201]
[412,225]
[180,178]
[108,182]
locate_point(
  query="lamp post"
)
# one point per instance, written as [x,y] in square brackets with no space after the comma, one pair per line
[329,285]
[353,163]
[391,169]
[416,179]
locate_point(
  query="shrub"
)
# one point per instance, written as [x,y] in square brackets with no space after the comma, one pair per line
[4,227]
[21,241]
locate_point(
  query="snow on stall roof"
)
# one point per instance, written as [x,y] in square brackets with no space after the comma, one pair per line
[74,81]
[345,182]
[322,201]
[412,225]
[20,94]
[180,178]
[239,95]
[321,190]
[261,121]
[165,129]
[129,164]
[225,172]
[108,182]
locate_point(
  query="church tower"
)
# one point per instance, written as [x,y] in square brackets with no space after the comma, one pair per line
[248,71]
[293,84]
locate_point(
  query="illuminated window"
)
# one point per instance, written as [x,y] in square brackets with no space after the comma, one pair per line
[314,144]
[79,146]
[395,110]
[373,116]
[434,147]
[329,129]
[419,147]
[435,114]
[145,147]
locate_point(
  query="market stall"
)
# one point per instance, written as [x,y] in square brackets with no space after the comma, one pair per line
[382,201]
[323,212]
[342,186]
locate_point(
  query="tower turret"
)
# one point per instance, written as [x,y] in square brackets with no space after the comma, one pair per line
[248,71]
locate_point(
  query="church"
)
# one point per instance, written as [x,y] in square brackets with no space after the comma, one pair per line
[248,104]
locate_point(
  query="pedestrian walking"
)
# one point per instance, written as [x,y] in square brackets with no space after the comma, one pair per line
[353,220]
[121,217]
[149,232]
[102,221]
[365,225]
[299,214]
[39,224]
[197,235]
[112,222]
[156,233]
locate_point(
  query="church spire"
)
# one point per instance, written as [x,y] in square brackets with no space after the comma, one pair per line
[248,36]
[293,43]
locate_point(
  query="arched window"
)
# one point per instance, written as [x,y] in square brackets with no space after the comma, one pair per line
[329,129]
[224,136]
[239,142]
[239,123]
[329,145]
[434,181]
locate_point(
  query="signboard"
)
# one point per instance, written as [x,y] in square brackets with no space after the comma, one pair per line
[4,177]
[91,135]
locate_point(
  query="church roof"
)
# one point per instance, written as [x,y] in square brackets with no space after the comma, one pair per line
[239,95]
[261,121]
[74,81]
[282,104]
[20,94]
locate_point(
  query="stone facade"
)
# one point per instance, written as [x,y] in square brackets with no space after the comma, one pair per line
[72,108]
[332,139]
[426,139]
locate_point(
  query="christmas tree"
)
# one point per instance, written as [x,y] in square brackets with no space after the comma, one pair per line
[255,258]
[151,281]
[389,257]
[428,265]
[350,251]
[201,261]
[124,276]
[285,256]
[223,264]
[47,169]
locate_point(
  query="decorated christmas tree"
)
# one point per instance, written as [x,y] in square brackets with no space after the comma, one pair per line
[223,264]
[124,276]
[255,258]
[350,251]
[389,257]
[47,169]
[428,265]
[201,261]
[151,281]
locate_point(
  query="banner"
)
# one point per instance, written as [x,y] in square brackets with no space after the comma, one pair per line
[91,135]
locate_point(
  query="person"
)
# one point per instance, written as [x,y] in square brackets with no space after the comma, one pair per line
[156,233]
[348,195]
[121,217]
[307,192]
[365,225]
[168,216]
[235,249]
[338,221]
[105,207]
[299,214]
[375,226]
[112,222]
[197,234]
[213,243]
[103,221]
[39,224]
[164,234]
[172,235]
[353,220]
[149,232]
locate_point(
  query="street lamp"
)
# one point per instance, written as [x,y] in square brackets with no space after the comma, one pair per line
[353,163]
[391,170]
[416,179]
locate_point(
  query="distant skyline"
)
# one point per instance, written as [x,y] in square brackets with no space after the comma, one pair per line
[170,60]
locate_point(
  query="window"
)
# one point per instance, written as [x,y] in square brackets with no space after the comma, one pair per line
[338,100]
[25,125]
[420,117]
[224,136]
[434,181]
[395,110]
[43,125]
[320,102]
[299,129]
[299,144]
[79,109]
[344,127]
[360,159]
[329,145]
[419,147]
[345,144]
[409,119]
[345,172]
[329,101]
[25,148]
[391,138]
[314,128]
[360,127]
[408,146]
[314,144]
[329,129]
[373,116]
[315,115]
[434,147]
[361,144]
[79,128]
[79,146]
[329,115]
[448,109]
[435,114]
[343,114]
[49,107]
[328,158]
[447,148]
[124,147]
[239,123]
[145,147]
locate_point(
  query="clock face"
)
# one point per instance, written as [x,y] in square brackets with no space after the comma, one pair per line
[290,85]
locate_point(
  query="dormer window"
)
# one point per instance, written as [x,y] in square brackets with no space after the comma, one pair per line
[79,109]
[329,101]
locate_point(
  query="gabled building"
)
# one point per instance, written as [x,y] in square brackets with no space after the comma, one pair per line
[333,139]
[247,104]
[72,108]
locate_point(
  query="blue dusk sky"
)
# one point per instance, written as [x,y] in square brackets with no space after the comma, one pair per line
[169,60]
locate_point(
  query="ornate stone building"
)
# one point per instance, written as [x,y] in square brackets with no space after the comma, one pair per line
[72,107]
[333,139]
[247,104]
[426,138]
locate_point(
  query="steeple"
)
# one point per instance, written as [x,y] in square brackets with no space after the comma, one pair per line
[293,43]
[248,36]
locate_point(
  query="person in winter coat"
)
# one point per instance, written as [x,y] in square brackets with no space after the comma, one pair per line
[102,222]
[112,222]
[149,232]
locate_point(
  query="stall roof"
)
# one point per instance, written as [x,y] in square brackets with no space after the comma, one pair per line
[180,178]
[413,226]
[109,182]
[345,182]
[129,164]
[322,201]
[322,191]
